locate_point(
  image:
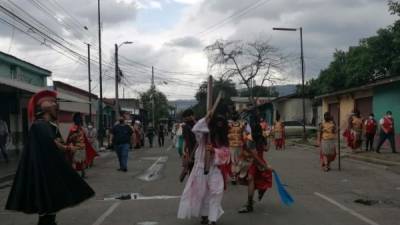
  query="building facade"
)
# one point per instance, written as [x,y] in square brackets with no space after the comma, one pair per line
[79,102]
[290,108]
[377,97]
[19,80]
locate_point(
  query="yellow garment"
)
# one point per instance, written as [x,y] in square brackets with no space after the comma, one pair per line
[235,134]
[356,123]
[278,126]
[328,130]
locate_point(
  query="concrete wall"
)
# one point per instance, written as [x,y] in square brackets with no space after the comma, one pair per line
[292,109]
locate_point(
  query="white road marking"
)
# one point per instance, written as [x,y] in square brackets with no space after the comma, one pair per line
[110,210]
[344,208]
[162,160]
[147,223]
[169,148]
[152,173]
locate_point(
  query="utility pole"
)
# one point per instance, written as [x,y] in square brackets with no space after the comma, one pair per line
[302,73]
[302,85]
[116,84]
[153,89]
[101,128]
[90,85]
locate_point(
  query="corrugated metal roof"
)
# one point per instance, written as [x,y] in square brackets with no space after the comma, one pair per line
[33,89]
[363,87]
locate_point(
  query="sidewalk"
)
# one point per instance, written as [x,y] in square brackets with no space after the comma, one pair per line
[386,157]
[7,170]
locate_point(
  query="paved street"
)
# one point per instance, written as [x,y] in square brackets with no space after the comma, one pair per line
[320,198]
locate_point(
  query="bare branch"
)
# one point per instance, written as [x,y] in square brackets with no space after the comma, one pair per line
[247,61]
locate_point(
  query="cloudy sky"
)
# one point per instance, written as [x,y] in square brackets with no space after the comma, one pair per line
[171,35]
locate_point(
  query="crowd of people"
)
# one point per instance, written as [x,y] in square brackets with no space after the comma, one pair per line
[360,129]
[221,147]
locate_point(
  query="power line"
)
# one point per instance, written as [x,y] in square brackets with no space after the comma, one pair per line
[237,14]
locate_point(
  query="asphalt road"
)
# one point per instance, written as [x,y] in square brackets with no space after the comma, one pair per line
[320,198]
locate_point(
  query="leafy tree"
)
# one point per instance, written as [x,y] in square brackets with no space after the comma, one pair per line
[394,7]
[373,58]
[227,86]
[161,105]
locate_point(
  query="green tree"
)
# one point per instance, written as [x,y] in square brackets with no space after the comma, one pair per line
[394,7]
[161,105]
[373,58]
[228,88]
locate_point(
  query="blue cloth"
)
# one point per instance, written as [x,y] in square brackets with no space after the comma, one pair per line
[283,194]
[122,153]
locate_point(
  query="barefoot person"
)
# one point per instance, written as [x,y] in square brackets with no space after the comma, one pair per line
[327,141]
[254,172]
[45,182]
[204,190]
[279,133]
[354,133]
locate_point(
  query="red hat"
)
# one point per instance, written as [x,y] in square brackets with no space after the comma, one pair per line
[37,99]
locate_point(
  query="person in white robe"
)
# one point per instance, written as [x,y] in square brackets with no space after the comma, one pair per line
[202,195]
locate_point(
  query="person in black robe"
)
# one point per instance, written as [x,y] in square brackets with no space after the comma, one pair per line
[45,182]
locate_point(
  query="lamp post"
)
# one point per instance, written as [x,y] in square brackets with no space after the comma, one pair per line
[101,132]
[89,80]
[90,85]
[117,77]
[302,73]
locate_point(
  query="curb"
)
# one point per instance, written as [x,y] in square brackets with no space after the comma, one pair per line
[358,157]
[373,160]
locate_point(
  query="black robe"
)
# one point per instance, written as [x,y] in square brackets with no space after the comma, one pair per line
[45,183]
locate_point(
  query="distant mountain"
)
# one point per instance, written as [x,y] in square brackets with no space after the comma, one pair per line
[183,104]
[283,90]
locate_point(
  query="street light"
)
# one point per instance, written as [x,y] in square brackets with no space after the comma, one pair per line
[89,80]
[302,72]
[117,77]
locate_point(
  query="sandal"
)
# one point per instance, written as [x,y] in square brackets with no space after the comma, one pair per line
[246,209]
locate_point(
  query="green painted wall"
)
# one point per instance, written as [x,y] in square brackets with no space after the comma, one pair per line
[5,70]
[12,68]
[387,97]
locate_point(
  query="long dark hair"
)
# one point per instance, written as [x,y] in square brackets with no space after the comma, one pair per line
[77,118]
[219,131]
[256,130]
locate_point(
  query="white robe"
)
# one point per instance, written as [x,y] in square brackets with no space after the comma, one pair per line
[203,194]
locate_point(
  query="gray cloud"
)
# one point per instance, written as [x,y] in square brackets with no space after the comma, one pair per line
[328,25]
[185,42]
